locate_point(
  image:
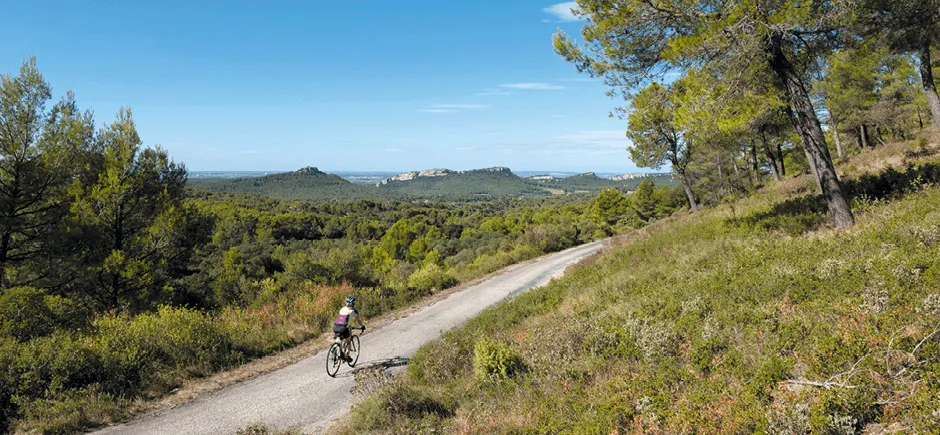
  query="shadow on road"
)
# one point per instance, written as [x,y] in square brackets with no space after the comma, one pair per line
[375,365]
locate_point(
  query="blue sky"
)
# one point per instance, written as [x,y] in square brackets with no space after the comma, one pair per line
[341,85]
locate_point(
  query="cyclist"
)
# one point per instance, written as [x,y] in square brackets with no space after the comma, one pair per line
[348,316]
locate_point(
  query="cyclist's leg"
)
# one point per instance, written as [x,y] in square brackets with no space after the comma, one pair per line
[347,337]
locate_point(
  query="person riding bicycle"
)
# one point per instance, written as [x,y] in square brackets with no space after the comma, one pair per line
[348,316]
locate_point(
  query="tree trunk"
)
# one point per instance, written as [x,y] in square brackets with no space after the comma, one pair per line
[688,190]
[812,169]
[4,251]
[804,119]
[770,156]
[920,119]
[864,135]
[721,178]
[118,246]
[835,135]
[754,160]
[783,166]
[930,89]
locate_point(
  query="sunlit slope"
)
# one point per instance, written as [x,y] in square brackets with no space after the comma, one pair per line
[750,317]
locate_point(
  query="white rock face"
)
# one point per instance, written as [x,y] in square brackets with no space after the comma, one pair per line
[408,176]
[630,177]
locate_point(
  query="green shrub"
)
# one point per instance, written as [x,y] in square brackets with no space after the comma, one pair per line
[134,350]
[52,365]
[495,360]
[393,405]
[26,312]
[442,360]
[431,277]
[9,350]
[765,379]
[72,411]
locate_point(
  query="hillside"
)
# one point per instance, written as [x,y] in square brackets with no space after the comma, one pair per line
[590,182]
[750,317]
[304,184]
[431,184]
[473,185]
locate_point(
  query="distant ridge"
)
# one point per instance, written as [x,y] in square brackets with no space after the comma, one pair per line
[590,182]
[639,176]
[307,183]
[410,176]
[310,183]
[448,185]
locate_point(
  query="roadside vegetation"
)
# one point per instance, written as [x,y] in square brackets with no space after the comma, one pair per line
[799,296]
[751,317]
[118,283]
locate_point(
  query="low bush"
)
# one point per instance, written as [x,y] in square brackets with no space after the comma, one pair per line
[493,360]
[26,312]
[431,277]
[398,408]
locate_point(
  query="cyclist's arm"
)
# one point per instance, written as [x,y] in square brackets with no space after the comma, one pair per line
[357,319]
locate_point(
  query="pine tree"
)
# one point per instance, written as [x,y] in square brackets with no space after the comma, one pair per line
[135,210]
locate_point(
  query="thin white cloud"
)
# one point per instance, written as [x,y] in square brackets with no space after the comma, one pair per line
[532,86]
[459,106]
[393,150]
[580,151]
[493,91]
[563,11]
[596,136]
[452,108]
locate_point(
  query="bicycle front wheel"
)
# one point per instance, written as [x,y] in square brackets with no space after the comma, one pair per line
[333,359]
[353,350]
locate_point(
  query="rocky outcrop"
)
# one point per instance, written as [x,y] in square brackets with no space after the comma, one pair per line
[408,176]
[308,170]
[625,177]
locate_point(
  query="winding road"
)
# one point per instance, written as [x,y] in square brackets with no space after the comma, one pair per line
[302,395]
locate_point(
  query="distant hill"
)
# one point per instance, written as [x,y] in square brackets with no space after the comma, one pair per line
[590,182]
[304,184]
[433,184]
[447,185]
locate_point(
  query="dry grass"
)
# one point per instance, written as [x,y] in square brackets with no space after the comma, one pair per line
[749,305]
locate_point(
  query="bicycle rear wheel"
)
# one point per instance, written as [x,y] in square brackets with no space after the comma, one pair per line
[333,359]
[353,350]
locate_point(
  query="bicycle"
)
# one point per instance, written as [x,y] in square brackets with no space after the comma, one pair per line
[335,356]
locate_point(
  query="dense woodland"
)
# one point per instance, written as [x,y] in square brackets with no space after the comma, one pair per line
[118,282]
[757,81]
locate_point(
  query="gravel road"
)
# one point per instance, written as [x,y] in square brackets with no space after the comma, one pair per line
[302,395]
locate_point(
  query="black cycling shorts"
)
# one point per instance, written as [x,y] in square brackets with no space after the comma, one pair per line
[341,331]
